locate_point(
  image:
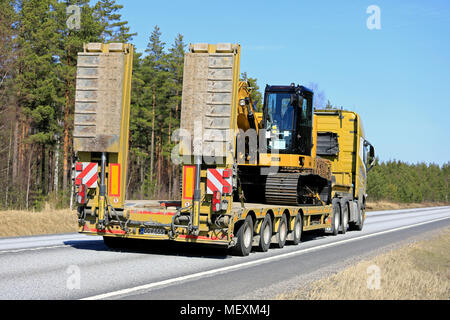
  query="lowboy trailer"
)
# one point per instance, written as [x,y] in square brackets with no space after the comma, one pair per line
[216,110]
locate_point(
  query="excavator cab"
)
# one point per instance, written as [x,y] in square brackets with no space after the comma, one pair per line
[288,118]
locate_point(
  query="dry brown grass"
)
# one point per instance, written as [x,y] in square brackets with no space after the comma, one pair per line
[51,221]
[419,270]
[386,205]
[27,223]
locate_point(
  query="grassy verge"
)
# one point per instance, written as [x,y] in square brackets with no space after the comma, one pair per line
[28,223]
[420,270]
[386,205]
[50,221]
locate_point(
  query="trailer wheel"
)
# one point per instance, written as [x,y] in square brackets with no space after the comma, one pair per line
[265,234]
[282,232]
[336,217]
[298,229]
[244,236]
[344,219]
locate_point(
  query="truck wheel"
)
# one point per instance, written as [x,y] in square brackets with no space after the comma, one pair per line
[344,218]
[282,232]
[244,236]
[265,234]
[358,226]
[336,217]
[297,231]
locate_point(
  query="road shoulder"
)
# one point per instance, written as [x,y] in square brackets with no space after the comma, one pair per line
[415,268]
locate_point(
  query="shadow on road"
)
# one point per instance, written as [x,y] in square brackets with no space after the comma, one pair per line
[172,248]
[313,235]
[154,247]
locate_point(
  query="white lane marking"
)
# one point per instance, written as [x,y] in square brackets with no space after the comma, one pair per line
[246,264]
[427,211]
[33,249]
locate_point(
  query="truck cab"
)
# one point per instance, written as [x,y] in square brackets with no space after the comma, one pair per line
[341,139]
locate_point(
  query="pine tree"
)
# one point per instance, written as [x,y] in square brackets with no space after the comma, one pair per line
[175,68]
[8,19]
[140,126]
[113,29]
[71,42]
[155,67]
[329,106]
[255,94]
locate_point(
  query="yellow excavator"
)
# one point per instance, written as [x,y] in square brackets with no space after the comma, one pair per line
[287,169]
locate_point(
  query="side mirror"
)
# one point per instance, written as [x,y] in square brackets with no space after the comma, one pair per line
[371,158]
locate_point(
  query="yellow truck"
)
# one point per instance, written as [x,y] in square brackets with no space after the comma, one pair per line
[224,141]
[341,139]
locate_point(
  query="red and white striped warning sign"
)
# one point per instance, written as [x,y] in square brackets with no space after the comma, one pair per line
[219,180]
[86,173]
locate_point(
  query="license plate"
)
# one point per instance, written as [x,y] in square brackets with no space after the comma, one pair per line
[153,231]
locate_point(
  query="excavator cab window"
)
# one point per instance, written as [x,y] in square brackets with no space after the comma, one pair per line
[288,119]
[280,120]
[304,127]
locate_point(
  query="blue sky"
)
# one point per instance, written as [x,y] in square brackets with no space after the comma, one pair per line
[397,78]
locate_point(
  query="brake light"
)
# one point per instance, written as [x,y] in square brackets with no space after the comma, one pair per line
[79,166]
[226,173]
[82,194]
[217,201]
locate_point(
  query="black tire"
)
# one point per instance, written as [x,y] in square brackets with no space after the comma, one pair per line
[282,232]
[265,234]
[244,236]
[336,217]
[297,230]
[344,217]
[363,218]
[358,226]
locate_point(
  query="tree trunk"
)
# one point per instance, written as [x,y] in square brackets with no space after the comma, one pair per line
[22,151]
[7,168]
[56,173]
[49,173]
[43,170]
[158,172]
[15,149]
[129,177]
[66,148]
[71,188]
[140,165]
[169,169]
[66,155]
[176,172]
[152,144]
[30,156]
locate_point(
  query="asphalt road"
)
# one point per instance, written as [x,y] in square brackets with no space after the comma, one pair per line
[74,266]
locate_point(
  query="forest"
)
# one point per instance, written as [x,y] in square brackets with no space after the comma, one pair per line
[399,181]
[39,42]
